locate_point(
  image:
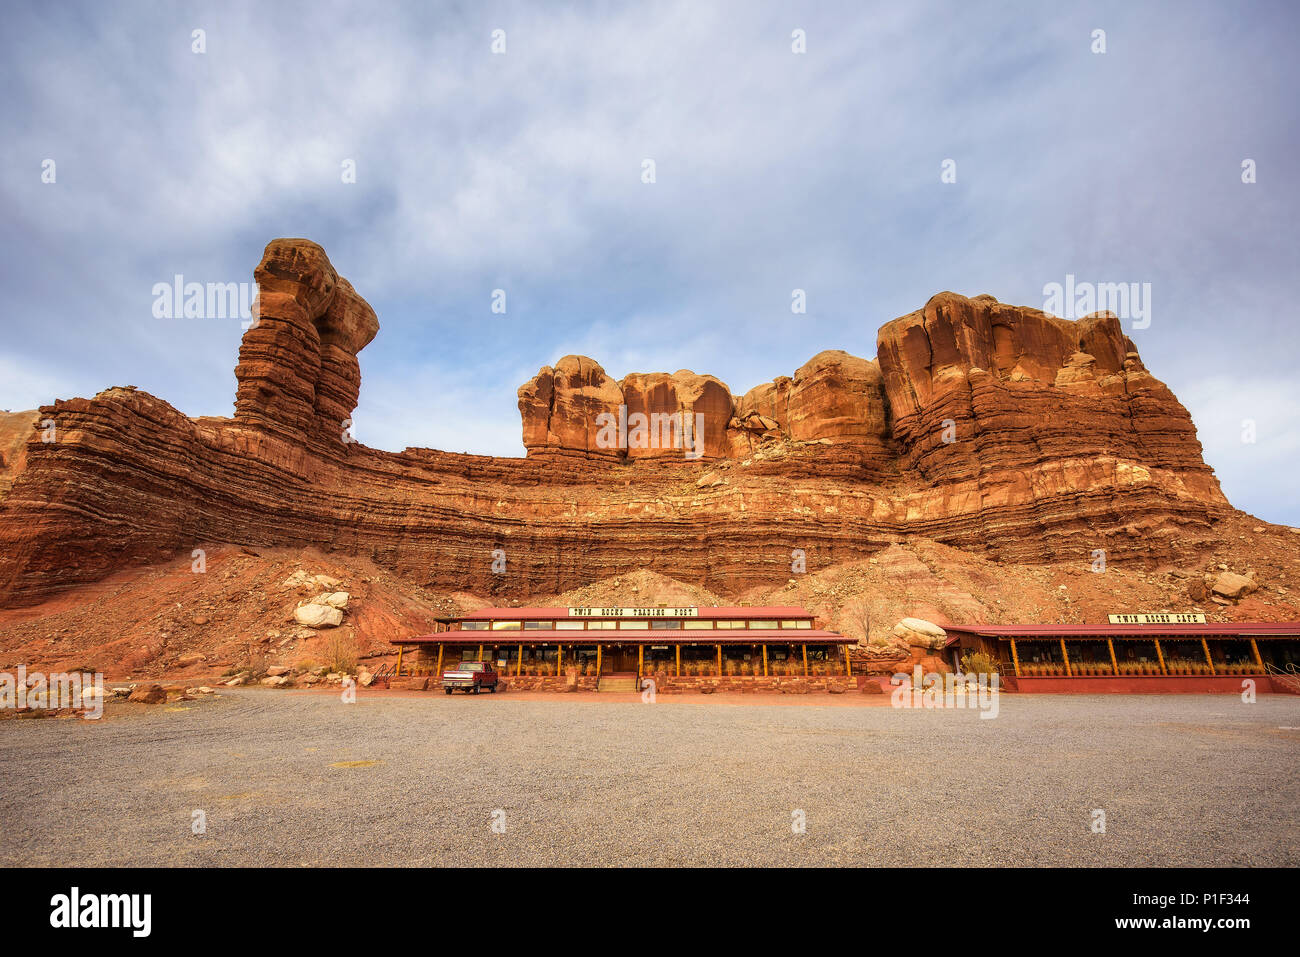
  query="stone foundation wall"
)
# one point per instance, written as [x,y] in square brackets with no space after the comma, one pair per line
[548,683]
[750,684]
[666,684]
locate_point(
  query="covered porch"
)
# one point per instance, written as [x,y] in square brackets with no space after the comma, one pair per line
[723,657]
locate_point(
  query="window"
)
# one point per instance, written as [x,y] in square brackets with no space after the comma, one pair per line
[698,624]
[762,624]
[795,623]
[569,624]
[506,626]
[538,625]
[601,625]
[731,624]
[474,626]
[659,624]
[635,625]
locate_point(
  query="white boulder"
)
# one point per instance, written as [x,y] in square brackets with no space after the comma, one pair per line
[918,631]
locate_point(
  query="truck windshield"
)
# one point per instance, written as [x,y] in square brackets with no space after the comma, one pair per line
[471,666]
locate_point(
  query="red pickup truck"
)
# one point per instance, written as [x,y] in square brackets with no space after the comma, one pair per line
[470,676]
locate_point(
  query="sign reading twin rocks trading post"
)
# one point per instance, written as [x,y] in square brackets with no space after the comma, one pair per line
[634,612]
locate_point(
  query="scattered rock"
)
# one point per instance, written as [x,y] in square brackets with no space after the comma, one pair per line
[1231,585]
[148,694]
[921,633]
[318,616]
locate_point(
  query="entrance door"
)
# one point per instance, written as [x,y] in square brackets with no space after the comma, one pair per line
[616,659]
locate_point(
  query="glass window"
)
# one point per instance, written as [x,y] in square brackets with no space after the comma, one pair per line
[698,624]
[634,625]
[663,624]
[733,624]
[569,624]
[601,625]
[506,626]
[538,625]
[474,625]
[762,624]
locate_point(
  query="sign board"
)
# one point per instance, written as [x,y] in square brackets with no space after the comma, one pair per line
[634,612]
[1179,618]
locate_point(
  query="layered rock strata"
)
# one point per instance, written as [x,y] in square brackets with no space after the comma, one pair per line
[983,426]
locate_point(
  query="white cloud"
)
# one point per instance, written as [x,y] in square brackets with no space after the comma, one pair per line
[1257,476]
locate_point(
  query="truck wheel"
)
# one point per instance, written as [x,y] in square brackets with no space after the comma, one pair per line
[476,689]
[493,689]
[448,690]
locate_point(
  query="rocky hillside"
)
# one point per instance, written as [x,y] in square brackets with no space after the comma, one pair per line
[256,609]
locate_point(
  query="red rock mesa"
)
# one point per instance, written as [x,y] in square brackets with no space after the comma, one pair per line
[993,428]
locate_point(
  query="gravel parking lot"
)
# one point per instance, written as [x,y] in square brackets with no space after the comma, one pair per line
[291,778]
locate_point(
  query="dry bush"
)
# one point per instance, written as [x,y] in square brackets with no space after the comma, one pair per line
[341,652]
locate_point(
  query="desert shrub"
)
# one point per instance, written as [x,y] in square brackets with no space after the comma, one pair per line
[341,652]
[979,662]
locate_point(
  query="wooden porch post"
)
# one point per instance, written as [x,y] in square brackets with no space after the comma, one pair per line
[597,660]
[1208,660]
[1015,658]
[640,660]
[519,668]
[765,661]
[848,664]
[1255,650]
[559,662]
[1161,656]
[679,661]
[400,649]
[439,660]
[1066,655]
[805,660]
[719,659]
[480,652]
[1114,665]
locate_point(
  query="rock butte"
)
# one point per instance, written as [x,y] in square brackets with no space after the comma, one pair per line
[993,428]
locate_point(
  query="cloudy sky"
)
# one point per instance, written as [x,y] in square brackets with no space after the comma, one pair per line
[774,170]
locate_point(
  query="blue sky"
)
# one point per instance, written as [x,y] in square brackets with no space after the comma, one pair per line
[774,171]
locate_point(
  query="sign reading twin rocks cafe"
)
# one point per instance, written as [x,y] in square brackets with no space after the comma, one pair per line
[634,612]
[1159,618]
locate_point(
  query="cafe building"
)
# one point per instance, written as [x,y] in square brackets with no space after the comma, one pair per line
[1146,653]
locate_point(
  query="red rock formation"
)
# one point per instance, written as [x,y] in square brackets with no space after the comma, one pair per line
[1063,444]
[298,372]
[977,387]
[684,415]
[559,407]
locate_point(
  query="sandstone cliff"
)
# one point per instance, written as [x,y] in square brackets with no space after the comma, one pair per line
[991,428]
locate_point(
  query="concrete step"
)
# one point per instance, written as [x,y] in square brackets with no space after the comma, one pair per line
[617,683]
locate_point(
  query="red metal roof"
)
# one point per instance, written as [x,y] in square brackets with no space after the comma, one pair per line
[676,636]
[534,613]
[1236,629]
